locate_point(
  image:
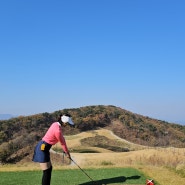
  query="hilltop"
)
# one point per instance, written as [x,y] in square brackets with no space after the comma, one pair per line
[19,135]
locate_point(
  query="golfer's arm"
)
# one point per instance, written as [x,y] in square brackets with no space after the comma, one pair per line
[62,142]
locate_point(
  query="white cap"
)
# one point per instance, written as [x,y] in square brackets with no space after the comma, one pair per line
[67,119]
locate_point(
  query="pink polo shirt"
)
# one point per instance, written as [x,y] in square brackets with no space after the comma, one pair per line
[54,135]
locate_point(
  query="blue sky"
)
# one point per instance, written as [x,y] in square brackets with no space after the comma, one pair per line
[68,54]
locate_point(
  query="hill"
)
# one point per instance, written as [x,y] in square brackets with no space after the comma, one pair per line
[6,116]
[19,135]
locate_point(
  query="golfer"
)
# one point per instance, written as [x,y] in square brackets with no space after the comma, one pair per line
[52,136]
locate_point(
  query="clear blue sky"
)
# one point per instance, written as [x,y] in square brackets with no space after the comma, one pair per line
[68,54]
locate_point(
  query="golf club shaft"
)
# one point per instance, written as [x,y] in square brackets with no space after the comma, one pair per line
[82,170]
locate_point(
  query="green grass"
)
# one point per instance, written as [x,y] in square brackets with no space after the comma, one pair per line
[76,177]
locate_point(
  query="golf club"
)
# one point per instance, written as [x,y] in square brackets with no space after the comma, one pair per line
[83,171]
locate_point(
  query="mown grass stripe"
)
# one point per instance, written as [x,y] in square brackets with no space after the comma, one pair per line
[110,176]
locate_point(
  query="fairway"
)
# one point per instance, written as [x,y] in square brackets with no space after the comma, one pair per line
[76,177]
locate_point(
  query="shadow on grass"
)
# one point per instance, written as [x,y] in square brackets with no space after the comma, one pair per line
[113,180]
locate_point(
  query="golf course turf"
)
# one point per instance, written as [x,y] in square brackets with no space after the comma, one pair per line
[76,177]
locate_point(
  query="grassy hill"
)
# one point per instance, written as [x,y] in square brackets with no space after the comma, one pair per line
[164,165]
[19,135]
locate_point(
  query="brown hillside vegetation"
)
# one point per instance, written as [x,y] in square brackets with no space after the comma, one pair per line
[19,135]
[165,165]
